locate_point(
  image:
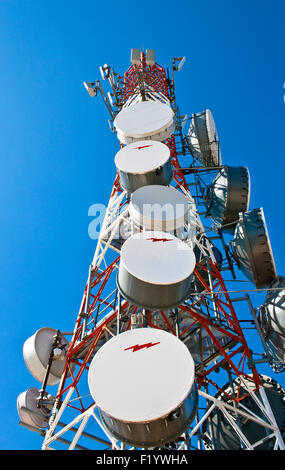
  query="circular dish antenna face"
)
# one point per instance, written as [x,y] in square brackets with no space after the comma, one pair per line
[143,163]
[155,270]
[227,196]
[36,352]
[140,401]
[159,208]
[224,437]
[252,248]
[145,120]
[28,411]
[203,139]
[142,157]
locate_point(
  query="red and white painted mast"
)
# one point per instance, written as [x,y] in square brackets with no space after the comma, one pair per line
[157,316]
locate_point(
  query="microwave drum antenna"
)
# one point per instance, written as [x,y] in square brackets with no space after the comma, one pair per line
[159,208]
[252,249]
[203,139]
[227,196]
[143,163]
[28,410]
[145,120]
[36,352]
[155,270]
[272,322]
[147,401]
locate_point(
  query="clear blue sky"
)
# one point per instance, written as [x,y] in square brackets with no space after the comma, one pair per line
[57,153]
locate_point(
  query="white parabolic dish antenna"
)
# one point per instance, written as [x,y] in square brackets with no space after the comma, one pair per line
[157,207]
[28,410]
[142,157]
[145,120]
[149,392]
[155,270]
[158,258]
[36,352]
[143,163]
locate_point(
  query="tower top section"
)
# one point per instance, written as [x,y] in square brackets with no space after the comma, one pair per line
[144,80]
[137,56]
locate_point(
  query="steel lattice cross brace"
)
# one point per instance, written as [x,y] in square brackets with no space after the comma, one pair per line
[230,412]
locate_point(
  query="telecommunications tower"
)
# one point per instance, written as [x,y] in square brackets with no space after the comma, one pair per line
[159,357]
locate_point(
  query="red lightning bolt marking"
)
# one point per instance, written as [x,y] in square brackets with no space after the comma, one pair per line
[137,347]
[142,147]
[160,239]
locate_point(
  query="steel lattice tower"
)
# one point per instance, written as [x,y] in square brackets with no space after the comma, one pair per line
[237,406]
